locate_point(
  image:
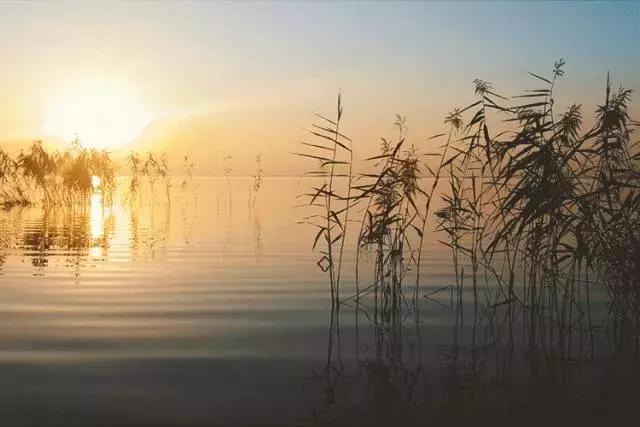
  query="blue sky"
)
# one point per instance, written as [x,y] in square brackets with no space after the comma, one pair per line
[245,77]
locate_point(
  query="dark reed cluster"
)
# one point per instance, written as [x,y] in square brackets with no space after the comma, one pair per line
[332,197]
[549,211]
[539,215]
[391,216]
[38,176]
[149,170]
[54,178]
[189,168]
[257,182]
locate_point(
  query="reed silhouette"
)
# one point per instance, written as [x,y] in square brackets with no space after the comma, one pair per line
[334,156]
[37,176]
[539,217]
[53,178]
[257,182]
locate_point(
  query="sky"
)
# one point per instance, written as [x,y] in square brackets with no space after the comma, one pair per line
[212,79]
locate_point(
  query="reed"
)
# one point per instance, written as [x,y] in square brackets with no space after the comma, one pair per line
[554,204]
[12,188]
[135,170]
[53,178]
[226,167]
[257,182]
[540,213]
[188,167]
[391,218]
[333,153]
[154,168]
[37,176]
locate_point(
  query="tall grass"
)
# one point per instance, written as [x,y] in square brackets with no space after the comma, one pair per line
[147,172]
[389,220]
[557,205]
[539,216]
[257,182]
[51,178]
[188,167]
[536,215]
[332,199]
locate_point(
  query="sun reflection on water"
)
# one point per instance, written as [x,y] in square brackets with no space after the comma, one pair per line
[97,225]
[95,182]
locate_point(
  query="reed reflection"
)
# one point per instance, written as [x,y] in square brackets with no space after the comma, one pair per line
[97,216]
[82,230]
[408,373]
[98,242]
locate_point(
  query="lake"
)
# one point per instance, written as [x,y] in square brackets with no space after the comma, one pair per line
[210,310]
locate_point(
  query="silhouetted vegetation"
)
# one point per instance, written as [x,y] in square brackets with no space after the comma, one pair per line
[257,182]
[148,171]
[53,178]
[188,169]
[332,150]
[539,217]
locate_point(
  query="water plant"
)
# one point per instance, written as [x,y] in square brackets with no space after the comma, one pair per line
[390,219]
[538,214]
[51,178]
[37,175]
[12,188]
[257,182]
[330,197]
[226,167]
[189,168]
[558,207]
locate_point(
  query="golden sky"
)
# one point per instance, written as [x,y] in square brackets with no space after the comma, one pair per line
[213,79]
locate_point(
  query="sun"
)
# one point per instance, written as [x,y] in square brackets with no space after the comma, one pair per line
[102,115]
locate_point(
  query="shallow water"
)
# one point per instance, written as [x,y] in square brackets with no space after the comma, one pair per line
[202,311]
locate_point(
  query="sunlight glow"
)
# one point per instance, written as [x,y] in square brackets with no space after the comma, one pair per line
[95,182]
[103,115]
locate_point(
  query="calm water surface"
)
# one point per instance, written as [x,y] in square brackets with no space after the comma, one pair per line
[203,311]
